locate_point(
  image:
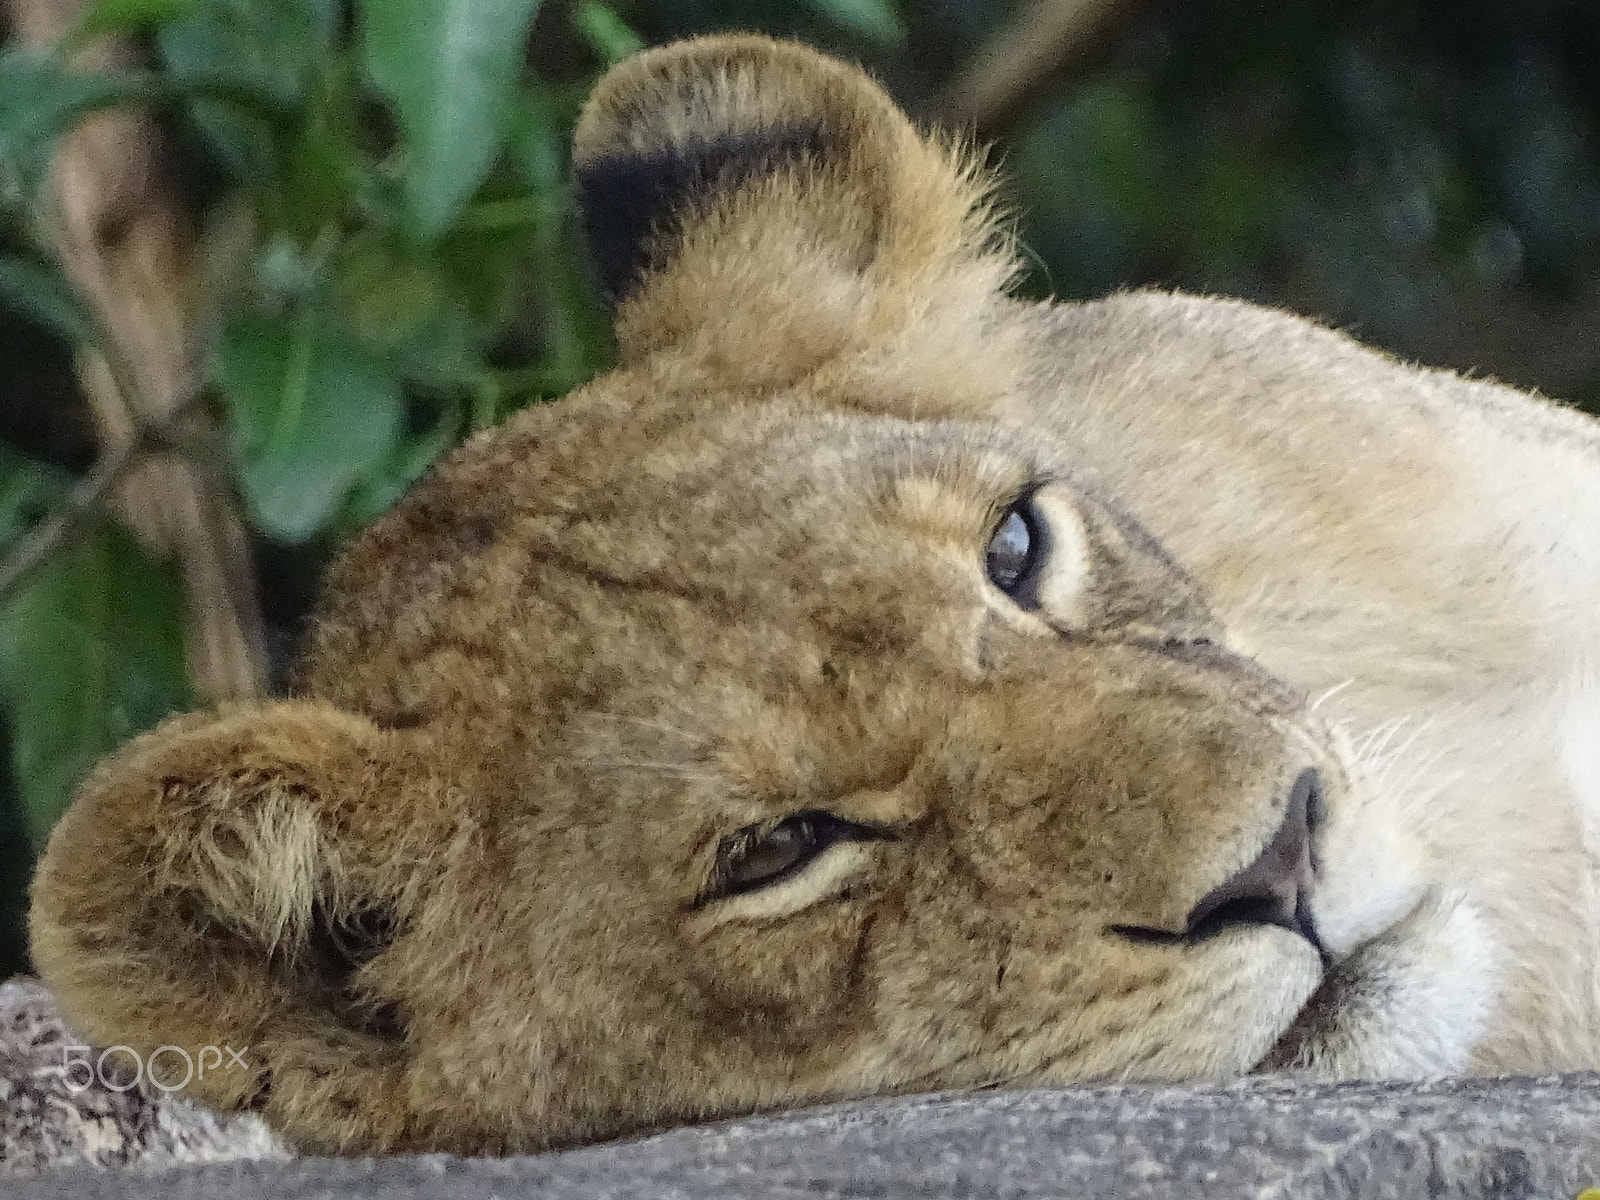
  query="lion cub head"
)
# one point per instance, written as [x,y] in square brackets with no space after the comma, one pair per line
[774,719]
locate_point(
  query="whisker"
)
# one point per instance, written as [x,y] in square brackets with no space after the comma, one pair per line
[656,725]
[1331,693]
[681,770]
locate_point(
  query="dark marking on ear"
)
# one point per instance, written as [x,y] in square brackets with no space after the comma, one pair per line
[336,948]
[631,203]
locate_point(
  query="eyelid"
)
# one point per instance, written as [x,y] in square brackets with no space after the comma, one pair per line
[1022,498]
[829,873]
[1062,585]
[842,831]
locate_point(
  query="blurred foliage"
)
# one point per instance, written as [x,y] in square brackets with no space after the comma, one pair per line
[382,189]
[1397,168]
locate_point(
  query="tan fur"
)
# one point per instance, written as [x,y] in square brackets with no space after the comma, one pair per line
[742,576]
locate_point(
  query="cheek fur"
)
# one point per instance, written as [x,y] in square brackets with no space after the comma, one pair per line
[782,984]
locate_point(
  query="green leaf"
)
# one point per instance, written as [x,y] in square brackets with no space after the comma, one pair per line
[93,652]
[312,416]
[605,32]
[40,95]
[539,147]
[41,99]
[450,69]
[287,274]
[377,494]
[27,488]
[876,20]
[482,266]
[123,16]
[323,170]
[385,295]
[46,297]
[275,48]
[397,303]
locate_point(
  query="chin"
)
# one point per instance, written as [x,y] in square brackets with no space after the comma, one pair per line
[1412,1002]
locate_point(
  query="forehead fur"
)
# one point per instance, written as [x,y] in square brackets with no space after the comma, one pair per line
[831,529]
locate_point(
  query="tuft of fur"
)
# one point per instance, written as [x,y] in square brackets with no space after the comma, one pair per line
[465,889]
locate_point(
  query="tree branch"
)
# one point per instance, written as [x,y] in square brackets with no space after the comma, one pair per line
[89,495]
[1041,39]
[123,239]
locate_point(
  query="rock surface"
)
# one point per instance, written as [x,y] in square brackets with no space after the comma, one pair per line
[1265,1137]
[47,1121]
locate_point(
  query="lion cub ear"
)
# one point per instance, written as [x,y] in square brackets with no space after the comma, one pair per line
[770,208]
[234,880]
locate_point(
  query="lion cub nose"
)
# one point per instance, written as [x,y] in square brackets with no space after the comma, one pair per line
[1272,889]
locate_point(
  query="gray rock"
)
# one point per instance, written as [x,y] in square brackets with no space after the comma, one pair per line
[1265,1137]
[46,1122]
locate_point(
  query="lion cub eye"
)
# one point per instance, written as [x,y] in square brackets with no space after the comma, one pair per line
[1015,551]
[761,855]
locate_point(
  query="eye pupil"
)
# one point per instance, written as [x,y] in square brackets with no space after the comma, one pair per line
[1009,558]
[761,855]
[767,856]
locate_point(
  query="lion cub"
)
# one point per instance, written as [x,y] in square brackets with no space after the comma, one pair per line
[876,684]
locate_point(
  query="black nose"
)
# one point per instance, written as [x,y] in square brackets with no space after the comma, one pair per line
[1272,889]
